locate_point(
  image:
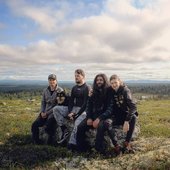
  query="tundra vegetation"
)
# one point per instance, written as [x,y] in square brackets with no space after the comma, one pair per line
[20,106]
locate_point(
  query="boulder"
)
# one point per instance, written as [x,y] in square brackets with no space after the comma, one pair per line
[91,134]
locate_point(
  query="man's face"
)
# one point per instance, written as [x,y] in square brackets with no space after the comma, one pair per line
[99,81]
[115,84]
[78,78]
[52,82]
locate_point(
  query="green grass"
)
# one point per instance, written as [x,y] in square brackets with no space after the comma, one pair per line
[154,118]
[17,116]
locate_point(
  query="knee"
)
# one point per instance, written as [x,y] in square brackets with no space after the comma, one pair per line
[134,119]
[108,123]
[56,109]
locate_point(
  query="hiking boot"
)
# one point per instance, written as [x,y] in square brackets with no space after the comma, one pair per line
[117,150]
[64,136]
[127,148]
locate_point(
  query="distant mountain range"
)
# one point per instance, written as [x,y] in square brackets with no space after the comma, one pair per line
[41,82]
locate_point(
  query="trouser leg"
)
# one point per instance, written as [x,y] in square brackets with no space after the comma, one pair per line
[60,113]
[39,122]
[73,135]
[51,129]
[132,124]
[99,144]
[111,132]
[81,135]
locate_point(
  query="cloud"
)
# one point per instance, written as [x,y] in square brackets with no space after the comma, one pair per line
[121,36]
[45,17]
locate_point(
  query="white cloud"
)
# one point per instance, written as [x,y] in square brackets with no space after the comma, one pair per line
[121,38]
[47,18]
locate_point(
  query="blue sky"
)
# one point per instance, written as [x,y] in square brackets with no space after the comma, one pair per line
[129,38]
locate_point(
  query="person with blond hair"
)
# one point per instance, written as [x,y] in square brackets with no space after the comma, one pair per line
[122,111]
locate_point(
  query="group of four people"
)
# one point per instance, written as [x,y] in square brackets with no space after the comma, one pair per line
[102,107]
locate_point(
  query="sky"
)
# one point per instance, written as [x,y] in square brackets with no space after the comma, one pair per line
[129,38]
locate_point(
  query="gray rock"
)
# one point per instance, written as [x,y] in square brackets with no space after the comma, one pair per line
[91,134]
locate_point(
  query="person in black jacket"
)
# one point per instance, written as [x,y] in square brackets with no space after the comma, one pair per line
[96,105]
[75,109]
[121,111]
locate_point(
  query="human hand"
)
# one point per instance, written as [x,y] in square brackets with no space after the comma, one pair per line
[126,126]
[96,123]
[89,122]
[43,115]
[71,116]
[90,92]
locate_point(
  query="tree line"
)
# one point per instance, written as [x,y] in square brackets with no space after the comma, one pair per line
[30,91]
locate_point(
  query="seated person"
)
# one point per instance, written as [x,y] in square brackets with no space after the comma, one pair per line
[75,110]
[96,105]
[121,111]
[46,117]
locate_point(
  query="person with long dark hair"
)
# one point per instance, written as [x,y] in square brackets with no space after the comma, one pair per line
[96,105]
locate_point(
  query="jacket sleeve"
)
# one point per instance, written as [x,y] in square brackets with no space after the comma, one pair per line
[71,101]
[109,111]
[131,105]
[89,107]
[50,111]
[83,107]
[43,102]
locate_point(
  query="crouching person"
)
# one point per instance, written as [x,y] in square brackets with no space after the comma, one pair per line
[121,111]
[75,110]
[46,117]
[96,105]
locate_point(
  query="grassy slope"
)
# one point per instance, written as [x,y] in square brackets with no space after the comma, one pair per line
[16,118]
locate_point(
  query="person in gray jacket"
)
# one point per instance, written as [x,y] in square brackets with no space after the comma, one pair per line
[46,117]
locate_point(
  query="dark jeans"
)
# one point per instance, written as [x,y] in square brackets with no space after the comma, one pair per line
[109,126]
[50,124]
[82,145]
[82,128]
[104,125]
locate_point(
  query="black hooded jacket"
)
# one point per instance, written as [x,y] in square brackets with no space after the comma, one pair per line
[97,103]
[121,107]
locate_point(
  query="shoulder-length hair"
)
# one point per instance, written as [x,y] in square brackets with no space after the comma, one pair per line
[116,77]
[105,79]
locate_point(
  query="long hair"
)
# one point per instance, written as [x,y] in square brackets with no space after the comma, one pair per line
[105,79]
